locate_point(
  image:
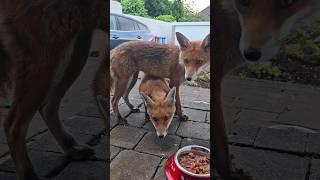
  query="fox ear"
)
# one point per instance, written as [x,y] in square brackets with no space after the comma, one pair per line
[171,96]
[183,41]
[147,100]
[206,43]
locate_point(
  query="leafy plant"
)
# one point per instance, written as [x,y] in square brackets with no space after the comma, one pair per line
[134,7]
[166,18]
[264,70]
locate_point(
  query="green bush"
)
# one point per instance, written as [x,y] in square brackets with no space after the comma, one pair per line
[300,45]
[166,18]
[134,7]
[264,70]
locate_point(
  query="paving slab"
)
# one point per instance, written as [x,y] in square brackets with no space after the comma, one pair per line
[194,130]
[136,119]
[266,165]
[88,125]
[3,149]
[152,144]
[43,162]
[261,104]
[195,115]
[290,140]
[128,165]
[7,176]
[196,104]
[161,174]
[90,111]
[313,145]
[113,122]
[315,170]
[199,142]
[172,128]
[101,149]
[125,136]
[114,151]
[307,118]
[87,170]
[257,118]
[45,142]
[243,134]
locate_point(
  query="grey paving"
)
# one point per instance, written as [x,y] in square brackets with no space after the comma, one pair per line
[266,165]
[275,130]
[315,172]
[94,170]
[313,145]
[199,142]
[152,144]
[126,136]
[195,115]
[281,140]
[133,165]
[194,129]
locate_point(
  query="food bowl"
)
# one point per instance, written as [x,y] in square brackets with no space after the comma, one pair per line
[176,171]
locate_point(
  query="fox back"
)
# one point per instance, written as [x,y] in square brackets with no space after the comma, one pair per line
[160,60]
[159,101]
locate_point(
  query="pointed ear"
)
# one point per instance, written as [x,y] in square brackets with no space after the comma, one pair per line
[183,41]
[206,43]
[171,96]
[147,100]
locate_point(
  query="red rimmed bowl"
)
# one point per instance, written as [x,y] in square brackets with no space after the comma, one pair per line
[175,171]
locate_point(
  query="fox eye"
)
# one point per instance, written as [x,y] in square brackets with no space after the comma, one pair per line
[155,119]
[284,3]
[186,61]
[198,62]
[245,2]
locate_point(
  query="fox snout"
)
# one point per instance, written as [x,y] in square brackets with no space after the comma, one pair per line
[162,134]
[190,77]
[252,54]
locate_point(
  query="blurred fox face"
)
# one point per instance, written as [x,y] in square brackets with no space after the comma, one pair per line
[195,56]
[161,112]
[264,23]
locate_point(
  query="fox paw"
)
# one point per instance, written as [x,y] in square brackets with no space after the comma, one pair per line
[81,152]
[183,117]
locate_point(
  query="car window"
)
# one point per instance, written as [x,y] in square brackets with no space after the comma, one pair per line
[113,24]
[125,24]
[142,27]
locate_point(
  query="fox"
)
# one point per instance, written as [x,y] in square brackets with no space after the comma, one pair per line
[248,30]
[177,63]
[43,47]
[159,102]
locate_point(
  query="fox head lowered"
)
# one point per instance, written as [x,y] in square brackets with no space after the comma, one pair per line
[161,111]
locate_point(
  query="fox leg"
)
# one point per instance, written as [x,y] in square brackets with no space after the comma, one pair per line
[131,83]
[50,109]
[221,150]
[119,89]
[175,83]
[31,89]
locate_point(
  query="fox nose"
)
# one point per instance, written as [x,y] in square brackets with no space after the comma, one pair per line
[188,78]
[252,54]
[161,136]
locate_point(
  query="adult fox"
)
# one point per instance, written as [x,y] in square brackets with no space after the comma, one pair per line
[248,30]
[44,44]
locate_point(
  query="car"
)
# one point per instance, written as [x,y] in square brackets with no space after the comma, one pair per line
[124,28]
